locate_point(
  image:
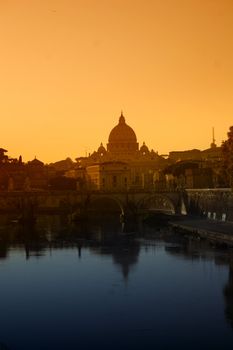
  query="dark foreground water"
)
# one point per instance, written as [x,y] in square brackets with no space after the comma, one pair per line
[85,287]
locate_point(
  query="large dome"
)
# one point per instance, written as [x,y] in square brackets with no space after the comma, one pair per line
[122,141]
[122,133]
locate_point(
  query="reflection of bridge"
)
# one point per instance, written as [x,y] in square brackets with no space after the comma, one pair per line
[130,202]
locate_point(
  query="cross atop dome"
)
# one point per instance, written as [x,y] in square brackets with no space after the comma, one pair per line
[122,118]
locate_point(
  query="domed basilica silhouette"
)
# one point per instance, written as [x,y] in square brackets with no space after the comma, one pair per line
[122,164]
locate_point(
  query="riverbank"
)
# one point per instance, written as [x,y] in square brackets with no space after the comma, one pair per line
[213,230]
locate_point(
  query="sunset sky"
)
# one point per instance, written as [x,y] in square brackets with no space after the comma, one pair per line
[68,67]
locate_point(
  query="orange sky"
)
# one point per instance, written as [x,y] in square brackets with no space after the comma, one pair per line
[68,67]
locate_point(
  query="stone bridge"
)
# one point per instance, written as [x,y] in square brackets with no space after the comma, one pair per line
[214,203]
[71,202]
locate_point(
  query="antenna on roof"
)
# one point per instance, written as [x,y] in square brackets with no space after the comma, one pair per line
[213,144]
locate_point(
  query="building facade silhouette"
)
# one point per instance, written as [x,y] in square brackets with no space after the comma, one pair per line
[122,164]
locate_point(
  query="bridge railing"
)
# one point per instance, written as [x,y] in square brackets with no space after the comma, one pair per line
[85,192]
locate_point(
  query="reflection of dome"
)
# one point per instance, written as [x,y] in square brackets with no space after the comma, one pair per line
[122,133]
[122,141]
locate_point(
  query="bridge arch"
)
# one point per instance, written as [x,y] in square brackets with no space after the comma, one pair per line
[157,203]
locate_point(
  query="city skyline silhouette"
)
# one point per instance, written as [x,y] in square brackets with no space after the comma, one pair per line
[116,174]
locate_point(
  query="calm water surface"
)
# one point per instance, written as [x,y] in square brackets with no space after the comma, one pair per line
[85,287]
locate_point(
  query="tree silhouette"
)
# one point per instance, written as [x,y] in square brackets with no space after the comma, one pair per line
[227,150]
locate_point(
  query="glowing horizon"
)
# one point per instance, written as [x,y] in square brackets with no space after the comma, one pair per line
[69,67]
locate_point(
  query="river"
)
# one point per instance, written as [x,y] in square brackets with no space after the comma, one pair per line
[100,285]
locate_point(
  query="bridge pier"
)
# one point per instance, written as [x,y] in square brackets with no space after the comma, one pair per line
[28,211]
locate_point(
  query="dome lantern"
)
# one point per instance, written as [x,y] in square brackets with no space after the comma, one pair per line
[122,118]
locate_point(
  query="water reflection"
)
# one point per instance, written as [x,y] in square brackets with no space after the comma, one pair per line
[53,232]
[123,256]
[228,294]
[198,250]
[128,248]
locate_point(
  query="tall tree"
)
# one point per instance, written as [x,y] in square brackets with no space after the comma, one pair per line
[227,150]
